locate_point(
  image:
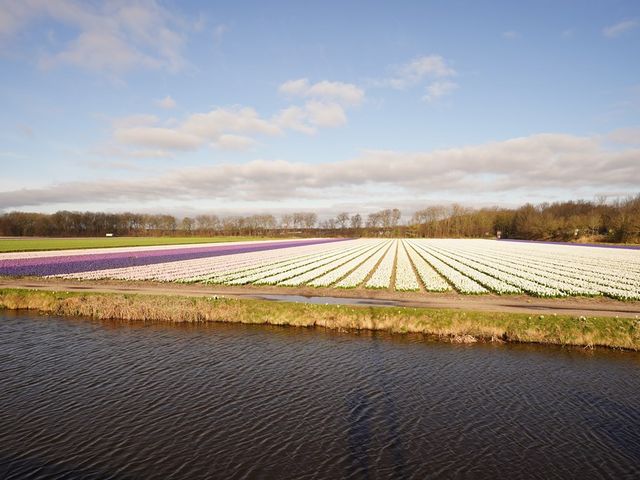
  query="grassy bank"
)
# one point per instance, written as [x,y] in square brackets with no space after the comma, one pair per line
[453,325]
[22,244]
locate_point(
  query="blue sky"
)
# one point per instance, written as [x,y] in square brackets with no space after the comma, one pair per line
[243,107]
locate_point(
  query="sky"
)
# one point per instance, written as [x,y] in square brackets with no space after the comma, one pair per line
[191,107]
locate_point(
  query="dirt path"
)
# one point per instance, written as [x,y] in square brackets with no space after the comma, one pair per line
[486,303]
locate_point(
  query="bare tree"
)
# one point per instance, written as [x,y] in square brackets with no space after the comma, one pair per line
[310,219]
[342,219]
[187,224]
[394,217]
[232,225]
[298,220]
[207,222]
[286,221]
[374,220]
[329,224]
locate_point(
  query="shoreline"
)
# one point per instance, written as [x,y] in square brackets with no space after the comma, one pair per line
[585,306]
[452,325]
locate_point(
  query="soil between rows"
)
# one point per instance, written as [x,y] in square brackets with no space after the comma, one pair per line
[587,306]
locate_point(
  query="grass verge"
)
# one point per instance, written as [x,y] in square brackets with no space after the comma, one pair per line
[453,325]
[22,244]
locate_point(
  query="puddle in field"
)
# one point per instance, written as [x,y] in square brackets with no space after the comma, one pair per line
[369,302]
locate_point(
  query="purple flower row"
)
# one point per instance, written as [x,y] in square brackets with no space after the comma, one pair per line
[56,265]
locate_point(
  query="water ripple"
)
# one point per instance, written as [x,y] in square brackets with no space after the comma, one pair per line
[83,399]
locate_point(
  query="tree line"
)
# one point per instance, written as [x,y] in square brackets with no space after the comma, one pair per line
[615,221]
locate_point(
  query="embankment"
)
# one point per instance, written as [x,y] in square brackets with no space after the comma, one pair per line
[449,324]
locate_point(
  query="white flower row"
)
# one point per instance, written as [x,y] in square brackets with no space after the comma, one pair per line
[461,282]
[566,275]
[471,266]
[323,264]
[339,272]
[265,268]
[326,269]
[511,272]
[381,277]
[624,263]
[597,270]
[195,269]
[525,283]
[430,278]
[627,260]
[357,276]
[554,284]
[609,280]
[405,276]
[472,271]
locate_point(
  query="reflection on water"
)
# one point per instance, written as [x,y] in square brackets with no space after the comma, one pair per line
[370,302]
[81,399]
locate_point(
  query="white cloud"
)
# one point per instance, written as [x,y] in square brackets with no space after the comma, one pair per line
[112,37]
[218,127]
[158,137]
[324,108]
[166,102]
[417,70]
[222,120]
[432,71]
[619,28]
[339,92]
[148,154]
[294,118]
[438,89]
[557,164]
[325,114]
[625,136]
[295,87]
[313,115]
[234,128]
[233,142]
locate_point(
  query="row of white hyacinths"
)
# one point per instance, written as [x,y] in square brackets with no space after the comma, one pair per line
[467,266]
[542,269]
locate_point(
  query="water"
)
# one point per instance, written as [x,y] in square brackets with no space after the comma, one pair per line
[83,399]
[367,302]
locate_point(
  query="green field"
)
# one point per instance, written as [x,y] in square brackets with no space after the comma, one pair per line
[25,244]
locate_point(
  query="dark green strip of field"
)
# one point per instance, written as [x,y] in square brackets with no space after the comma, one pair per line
[23,244]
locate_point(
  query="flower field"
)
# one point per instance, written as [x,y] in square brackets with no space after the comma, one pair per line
[418,265]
